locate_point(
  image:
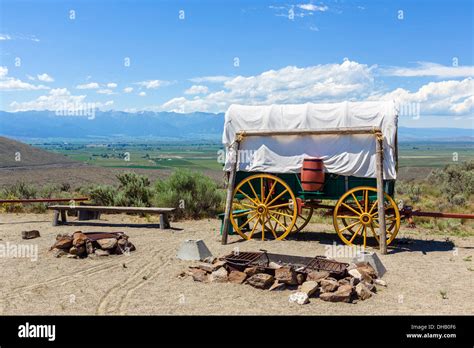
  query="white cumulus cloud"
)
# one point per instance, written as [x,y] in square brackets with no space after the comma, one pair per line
[142,94]
[287,85]
[429,69]
[58,99]
[211,79]
[45,77]
[105,91]
[8,83]
[128,89]
[312,7]
[197,89]
[152,84]
[436,98]
[112,85]
[90,85]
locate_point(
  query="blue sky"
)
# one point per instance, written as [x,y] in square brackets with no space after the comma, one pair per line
[249,52]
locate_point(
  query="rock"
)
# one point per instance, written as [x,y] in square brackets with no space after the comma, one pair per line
[380,282]
[219,263]
[277,286]
[219,276]
[30,234]
[78,251]
[274,265]
[344,281]
[360,275]
[71,256]
[123,246]
[300,278]
[65,242]
[362,291]
[354,281]
[62,236]
[286,275]
[317,275]
[79,238]
[351,266]
[107,243]
[373,260]
[370,286]
[343,294]
[250,271]
[309,287]
[199,275]
[367,268]
[89,247]
[261,280]
[300,298]
[211,267]
[58,252]
[237,277]
[210,259]
[100,252]
[329,285]
[208,267]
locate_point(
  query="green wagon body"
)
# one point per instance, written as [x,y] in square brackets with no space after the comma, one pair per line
[335,185]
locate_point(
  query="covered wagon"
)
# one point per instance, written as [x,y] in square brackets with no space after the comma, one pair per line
[269,149]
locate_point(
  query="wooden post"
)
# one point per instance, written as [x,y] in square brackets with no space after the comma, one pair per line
[56,218]
[380,194]
[230,190]
[164,222]
[63,217]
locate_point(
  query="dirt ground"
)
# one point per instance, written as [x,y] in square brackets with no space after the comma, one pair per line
[421,269]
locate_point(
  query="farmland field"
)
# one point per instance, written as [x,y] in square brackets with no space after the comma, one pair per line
[204,155]
[153,155]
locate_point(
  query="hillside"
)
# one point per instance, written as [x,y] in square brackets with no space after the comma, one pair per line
[14,154]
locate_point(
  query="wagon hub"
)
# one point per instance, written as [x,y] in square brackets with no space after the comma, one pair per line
[262,209]
[365,218]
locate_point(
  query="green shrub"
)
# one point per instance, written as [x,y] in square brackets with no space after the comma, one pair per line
[49,191]
[194,194]
[21,190]
[456,182]
[102,195]
[134,190]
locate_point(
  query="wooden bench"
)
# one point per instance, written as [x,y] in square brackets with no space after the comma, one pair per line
[62,209]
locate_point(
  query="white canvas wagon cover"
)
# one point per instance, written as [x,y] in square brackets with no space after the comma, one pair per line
[343,154]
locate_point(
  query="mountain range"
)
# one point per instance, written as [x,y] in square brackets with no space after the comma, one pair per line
[159,125]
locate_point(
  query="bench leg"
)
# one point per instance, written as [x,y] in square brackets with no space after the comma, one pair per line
[56,218]
[164,222]
[63,217]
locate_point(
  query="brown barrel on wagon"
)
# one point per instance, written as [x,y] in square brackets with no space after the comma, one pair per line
[312,174]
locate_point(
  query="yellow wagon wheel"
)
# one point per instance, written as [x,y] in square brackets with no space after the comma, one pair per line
[355,214]
[301,220]
[270,207]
